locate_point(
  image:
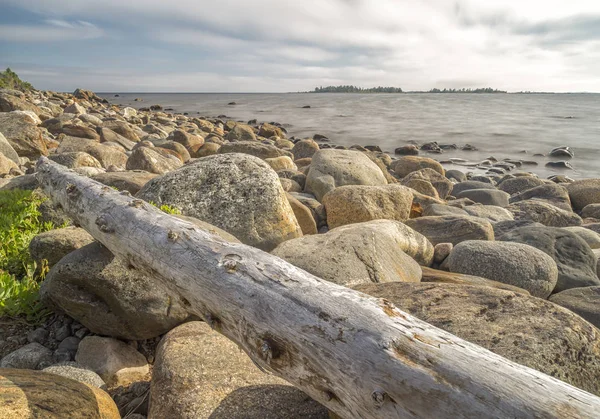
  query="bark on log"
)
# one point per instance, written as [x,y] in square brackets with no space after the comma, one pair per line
[360,356]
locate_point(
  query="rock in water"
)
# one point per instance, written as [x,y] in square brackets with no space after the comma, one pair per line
[358,203]
[34,394]
[110,297]
[374,251]
[236,192]
[200,374]
[527,330]
[452,228]
[332,168]
[575,260]
[511,263]
[116,362]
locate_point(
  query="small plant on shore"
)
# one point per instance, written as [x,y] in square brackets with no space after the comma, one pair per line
[167,208]
[19,274]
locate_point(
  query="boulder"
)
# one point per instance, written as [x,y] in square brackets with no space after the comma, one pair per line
[552,194]
[304,215]
[199,373]
[543,213]
[110,297]
[236,192]
[591,211]
[122,128]
[332,168]
[452,228]
[520,184]
[442,209]
[305,148]
[182,152]
[80,131]
[442,185]
[132,180]
[75,159]
[32,356]
[489,212]
[208,149]
[582,192]
[408,164]
[109,136]
[151,160]
[456,175]
[118,363]
[209,228]
[7,150]
[34,394]
[55,244]
[445,277]
[268,131]
[7,166]
[357,203]
[263,151]
[76,372]
[510,263]
[241,132]
[10,103]
[486,196]
[527,330]
[584,301]
[281,163]
[75,108]
[470,184]
[23,135]
[375,251]
[590,237]
[422,186]
[192,143]
[407,150]
[575,260]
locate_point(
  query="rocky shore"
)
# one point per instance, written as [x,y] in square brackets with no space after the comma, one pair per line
[503,259]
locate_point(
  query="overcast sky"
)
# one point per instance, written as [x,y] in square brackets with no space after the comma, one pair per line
[280,46]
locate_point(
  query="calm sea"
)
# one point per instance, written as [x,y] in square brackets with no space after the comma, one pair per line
[500,125]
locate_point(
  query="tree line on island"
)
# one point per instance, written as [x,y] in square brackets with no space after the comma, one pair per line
[10,80]
[356,89]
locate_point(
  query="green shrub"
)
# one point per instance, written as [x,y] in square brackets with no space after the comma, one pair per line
[10,80]
[19,275]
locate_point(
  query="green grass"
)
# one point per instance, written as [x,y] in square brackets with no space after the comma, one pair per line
[19,275]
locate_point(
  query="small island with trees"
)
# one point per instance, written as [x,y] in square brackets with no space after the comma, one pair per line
[356,89]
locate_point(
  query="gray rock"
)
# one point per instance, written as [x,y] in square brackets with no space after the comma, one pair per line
[123,128]
[527,330]
[582,192]
[510,263]
[408,164]
[331,168]
[7,150]
[489,212]
[553,194]
[32,356]
[584,301]
[590,237]
[131,181]
[254,148]
[456,175]
[241,132]
[502,227]
[116,362]
[75,159]
[236,192]
[55,244]
[38,335]
[23,134]
[110,297]
[374,251]
[470,184]
[199,374]
[358,203]
[591,211]
[575,260]
[152,160]
[544,213]
[305,148]
[442,209]
[452,228]
[441,184]
[75,372]
[486,196]
[520,184]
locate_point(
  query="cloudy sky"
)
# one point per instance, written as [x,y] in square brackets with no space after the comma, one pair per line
[278,46]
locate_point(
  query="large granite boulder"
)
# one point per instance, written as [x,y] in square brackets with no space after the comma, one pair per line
[357,203]
[374,251]
[331,168]
[527,330]
[452,228]
[543,213]
[511,263]
[23,134]
[239,193]
[584,301]
[199,373]
[35,394]
[574,258]
[582,192]
[110,297]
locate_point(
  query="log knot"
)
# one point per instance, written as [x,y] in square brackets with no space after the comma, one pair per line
[172,235]
[103,226]
[378,397]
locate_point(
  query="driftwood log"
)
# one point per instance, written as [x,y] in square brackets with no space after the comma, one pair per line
[358,355]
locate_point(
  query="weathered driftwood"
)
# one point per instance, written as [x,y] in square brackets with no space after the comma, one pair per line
[360,356]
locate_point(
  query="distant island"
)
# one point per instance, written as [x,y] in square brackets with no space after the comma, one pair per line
[356,89]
